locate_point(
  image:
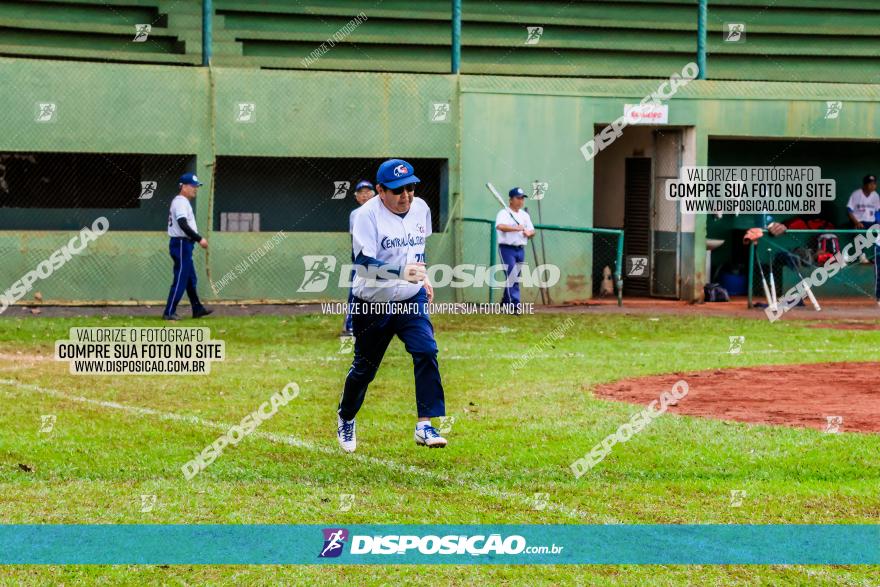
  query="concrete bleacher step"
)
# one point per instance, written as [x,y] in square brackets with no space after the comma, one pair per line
[219,47]
[88,40]
[190,7]
[96,28]
[123,30]
[348,63]
[227,48]
[185,21]
[99,55]
[101,3]
[191,22]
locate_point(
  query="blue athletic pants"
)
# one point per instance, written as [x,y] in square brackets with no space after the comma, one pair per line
[181,250]
[374,327]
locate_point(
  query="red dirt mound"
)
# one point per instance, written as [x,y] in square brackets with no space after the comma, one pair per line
[790,395]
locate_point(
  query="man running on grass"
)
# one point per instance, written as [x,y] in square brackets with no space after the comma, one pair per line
[391,296]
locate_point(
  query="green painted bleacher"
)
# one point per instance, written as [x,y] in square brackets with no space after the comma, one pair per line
[599,38]
[602,38]
[102,30]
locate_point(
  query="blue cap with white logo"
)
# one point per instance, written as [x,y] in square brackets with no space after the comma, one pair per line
[363,184]
[395,173]
[189,179]
[516,193]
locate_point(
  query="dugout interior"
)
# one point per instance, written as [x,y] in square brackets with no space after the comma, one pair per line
[66,191]
[312,194]
[846,162]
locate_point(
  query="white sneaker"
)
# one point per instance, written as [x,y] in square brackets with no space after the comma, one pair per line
[428,436]
[345,433]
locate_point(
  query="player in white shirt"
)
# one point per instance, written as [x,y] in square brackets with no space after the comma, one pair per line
[391,297]
[183,234]
[515,228]
[363,191]
[864,203]
[862,206]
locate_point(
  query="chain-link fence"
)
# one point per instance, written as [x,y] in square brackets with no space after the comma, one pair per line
[280,155]
[562,263]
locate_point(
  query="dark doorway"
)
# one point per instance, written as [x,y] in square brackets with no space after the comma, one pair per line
[637,226]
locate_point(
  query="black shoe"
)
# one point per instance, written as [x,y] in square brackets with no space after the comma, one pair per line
[202,312]
[174,317]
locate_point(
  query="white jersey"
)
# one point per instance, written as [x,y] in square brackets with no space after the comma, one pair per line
[380,233]
[180,208]
[506,216]
[351,219]
[863,207]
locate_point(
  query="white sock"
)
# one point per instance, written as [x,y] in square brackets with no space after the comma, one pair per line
[421,425]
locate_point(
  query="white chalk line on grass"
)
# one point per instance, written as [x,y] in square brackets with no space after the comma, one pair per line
[306,445]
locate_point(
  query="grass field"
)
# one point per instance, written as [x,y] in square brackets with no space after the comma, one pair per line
[513,436]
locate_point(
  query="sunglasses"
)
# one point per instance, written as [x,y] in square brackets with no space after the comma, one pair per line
[410,187]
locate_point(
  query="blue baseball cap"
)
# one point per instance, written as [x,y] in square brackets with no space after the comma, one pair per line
[189,179]
[395,173]
[516,193]
[363,184]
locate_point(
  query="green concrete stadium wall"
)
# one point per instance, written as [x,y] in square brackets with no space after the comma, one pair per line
[502,129]
[110,108]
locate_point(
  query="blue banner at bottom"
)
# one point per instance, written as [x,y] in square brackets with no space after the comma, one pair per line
[441,544]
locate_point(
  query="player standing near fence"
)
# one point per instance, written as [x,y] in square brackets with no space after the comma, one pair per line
[183,233]
[391,297]
[515,228]
[863,204]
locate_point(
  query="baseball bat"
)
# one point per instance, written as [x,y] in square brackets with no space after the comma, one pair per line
[763,279]
[543,251]
[540,289]
[498,197]
[545,296]
[810,294]
[808,289]
[772,287]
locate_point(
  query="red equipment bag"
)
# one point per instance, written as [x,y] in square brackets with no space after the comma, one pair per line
[828,246]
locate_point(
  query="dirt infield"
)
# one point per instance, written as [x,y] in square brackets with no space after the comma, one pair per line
[787,395]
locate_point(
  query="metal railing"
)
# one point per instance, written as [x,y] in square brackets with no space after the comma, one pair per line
[618,255]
